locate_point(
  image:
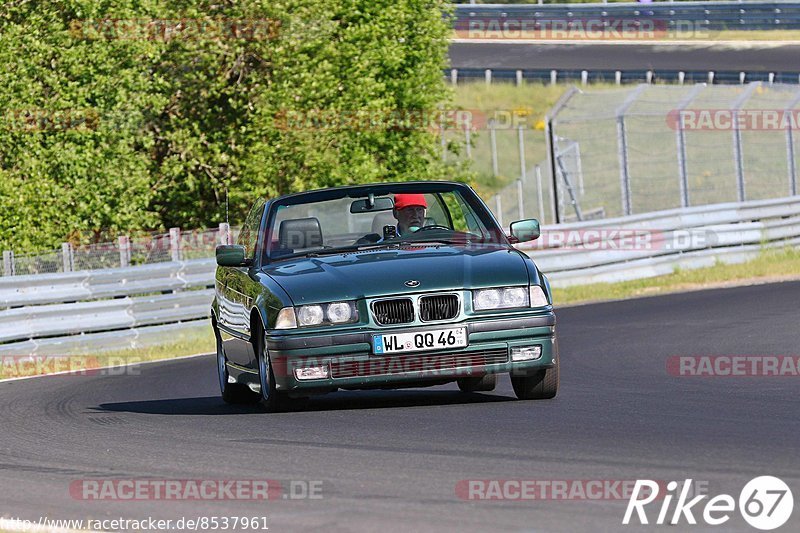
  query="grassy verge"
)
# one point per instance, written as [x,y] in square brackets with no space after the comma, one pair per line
[88,363]
[772,265]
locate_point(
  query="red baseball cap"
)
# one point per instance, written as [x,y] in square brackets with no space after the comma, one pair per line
[405,200]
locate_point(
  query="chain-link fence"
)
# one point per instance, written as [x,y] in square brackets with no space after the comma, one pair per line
[177,245]
[653,147]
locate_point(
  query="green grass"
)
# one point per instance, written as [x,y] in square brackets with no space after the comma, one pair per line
[771,265]
[181,346]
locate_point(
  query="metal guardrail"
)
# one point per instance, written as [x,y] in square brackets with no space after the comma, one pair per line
[584,77]
[701,15]
[91,311]
[653,244]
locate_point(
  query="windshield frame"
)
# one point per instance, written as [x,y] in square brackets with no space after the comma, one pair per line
[356,192]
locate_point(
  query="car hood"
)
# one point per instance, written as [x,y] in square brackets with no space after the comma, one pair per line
[372,273]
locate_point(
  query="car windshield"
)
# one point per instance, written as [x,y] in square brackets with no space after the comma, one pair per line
[315,224]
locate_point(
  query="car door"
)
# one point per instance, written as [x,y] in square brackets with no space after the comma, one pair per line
[239,293]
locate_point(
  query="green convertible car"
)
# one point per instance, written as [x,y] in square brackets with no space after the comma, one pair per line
[380,286]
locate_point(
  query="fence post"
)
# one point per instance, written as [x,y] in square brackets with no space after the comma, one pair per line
[175,243]
[468,139]
[67,259]
[520,200]
[680,139]
[124,251]
[498,204]
[8,263]
[622,145]
[737,139]
[540,193]
[790,155]
[493,140]
[443,139]
[224,233]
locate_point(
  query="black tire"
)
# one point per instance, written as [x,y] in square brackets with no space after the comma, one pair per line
[273,400]
[543,385]
[232,393]
[485,383]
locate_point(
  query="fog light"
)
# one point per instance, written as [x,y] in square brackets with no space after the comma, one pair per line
[311,372]
[526,353]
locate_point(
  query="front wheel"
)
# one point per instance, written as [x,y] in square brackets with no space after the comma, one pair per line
[274,400]
[543,385]
[486,383]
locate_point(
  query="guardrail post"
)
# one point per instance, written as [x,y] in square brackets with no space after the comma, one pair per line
[681,77]
[67,259]
[584,77]
[711,77]
[124,251]
[519,78]
[553,77]
[8,263]
[488,75]
[618,77]
[175,243]
[454,76]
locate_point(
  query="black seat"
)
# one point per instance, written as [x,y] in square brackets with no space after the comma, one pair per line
[300,233]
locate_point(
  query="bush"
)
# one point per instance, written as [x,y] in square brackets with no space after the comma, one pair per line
[113,124]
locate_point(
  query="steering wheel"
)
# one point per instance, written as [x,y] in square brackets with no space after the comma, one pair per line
[432,227]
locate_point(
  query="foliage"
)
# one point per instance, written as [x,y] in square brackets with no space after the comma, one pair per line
[110,125]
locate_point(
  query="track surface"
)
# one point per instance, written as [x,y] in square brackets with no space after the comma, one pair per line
[717,57]
[391,460]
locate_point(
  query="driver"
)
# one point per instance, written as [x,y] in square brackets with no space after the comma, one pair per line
[409,210]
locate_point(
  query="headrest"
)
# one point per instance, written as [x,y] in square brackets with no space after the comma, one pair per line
[300,233]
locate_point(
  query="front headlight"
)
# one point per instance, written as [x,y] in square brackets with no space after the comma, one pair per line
[509,298]
[317,315]
[501,298]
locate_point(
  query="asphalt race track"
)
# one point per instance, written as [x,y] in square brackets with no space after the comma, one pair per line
[391,460]
[693,56]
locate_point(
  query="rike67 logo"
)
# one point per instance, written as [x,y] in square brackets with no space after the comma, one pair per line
[765,503]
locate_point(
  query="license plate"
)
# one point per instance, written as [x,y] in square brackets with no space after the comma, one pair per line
[420,341]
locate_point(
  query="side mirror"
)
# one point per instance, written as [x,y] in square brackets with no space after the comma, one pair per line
[525,230]
[232,255]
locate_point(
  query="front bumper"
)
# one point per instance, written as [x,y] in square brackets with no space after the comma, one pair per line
[351,363]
